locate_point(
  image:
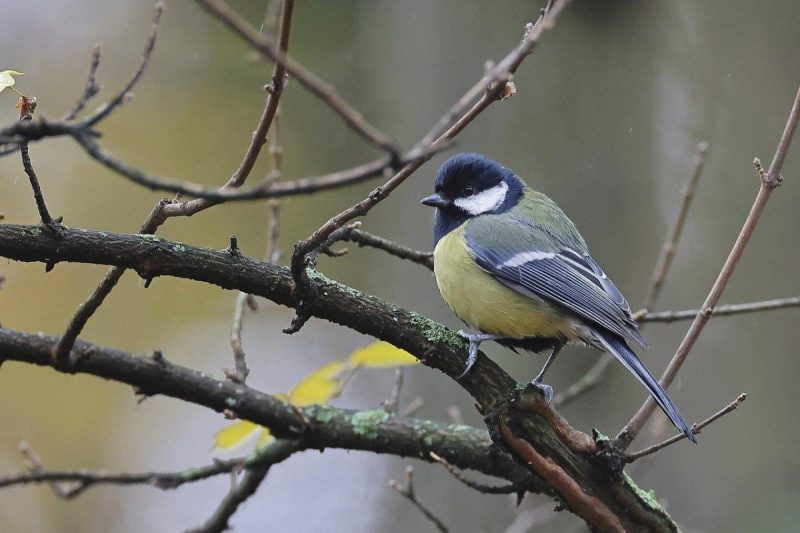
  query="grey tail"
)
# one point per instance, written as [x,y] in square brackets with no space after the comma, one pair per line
[617,346]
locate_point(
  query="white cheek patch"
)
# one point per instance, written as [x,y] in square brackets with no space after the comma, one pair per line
[484,201]
[525,257]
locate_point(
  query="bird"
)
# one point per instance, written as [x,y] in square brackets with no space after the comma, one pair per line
[514,268]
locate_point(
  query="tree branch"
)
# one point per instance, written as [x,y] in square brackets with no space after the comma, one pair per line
[435,345]
[722,310]
[319,427]
[695,430]
[272,453]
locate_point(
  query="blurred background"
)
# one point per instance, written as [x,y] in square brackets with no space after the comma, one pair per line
[606,119]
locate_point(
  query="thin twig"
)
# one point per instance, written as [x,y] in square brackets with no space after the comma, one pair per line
[74,482]
[495,89]
[768,183]
[266,189]
[511,488]
[238,494]
[413,406]
[321,89]
[104,110]
[103,289]
[240,370]
[274,90]
[271,255]
[594,376]
[44,214]
[671,244]
[90,89]
[696,428]
[722,310]
[165,209]
[392,405]
[410,495]
[269,455]
[353,233]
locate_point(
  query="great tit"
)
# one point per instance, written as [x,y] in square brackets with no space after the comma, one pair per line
[512,266]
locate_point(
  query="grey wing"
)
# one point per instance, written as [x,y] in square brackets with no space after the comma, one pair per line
[568,278]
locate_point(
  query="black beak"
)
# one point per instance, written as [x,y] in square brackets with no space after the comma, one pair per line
[436,200]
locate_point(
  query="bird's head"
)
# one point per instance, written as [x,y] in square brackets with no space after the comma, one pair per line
[469,185]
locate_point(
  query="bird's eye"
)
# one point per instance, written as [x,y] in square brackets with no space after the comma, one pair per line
[468,191]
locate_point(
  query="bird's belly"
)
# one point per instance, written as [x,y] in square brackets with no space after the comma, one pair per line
[486,304]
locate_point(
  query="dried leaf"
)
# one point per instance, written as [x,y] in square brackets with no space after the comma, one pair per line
[508,91]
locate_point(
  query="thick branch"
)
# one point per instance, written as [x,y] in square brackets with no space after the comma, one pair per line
[320,427]
[433,344]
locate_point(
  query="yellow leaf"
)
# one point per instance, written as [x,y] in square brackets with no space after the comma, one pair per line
[265,438]
[235,435]
[381,355]
[7,78]
[319,386]
[282,396]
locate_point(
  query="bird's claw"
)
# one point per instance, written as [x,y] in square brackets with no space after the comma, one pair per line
[475,340]
[544,389]
[471,358]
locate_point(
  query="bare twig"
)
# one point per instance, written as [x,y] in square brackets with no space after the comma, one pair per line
[90,89]
[353,233]
[321,89]
[240,370]
[495,89]
[671,244]
[165,209]
[103,289]
[218,522]
[410,495]
[266,189]
[413,406]
[768,183]
[69,484]
[696,428]
[274,90]
[392,405]
[271,255]
[594,376]
[44,214]
[104,110]
[511,488]
[722,310]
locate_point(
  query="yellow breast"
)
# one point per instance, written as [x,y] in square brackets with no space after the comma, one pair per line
[484,303]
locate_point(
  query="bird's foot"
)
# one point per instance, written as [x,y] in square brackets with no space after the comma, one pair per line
[543,388]
[475,340]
